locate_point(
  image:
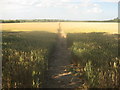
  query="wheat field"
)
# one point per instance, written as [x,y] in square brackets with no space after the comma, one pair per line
[68,27]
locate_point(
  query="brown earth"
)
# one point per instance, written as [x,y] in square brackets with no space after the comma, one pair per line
[57,75]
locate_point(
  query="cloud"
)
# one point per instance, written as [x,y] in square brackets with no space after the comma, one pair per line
[53,3]
[110,1]
[94,10]
[64,3]
[73,9]
[48,3]
[71,5]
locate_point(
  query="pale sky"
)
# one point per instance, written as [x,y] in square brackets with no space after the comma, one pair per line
[59,9]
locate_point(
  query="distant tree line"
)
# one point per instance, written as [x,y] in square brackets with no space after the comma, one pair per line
[112,20]
[34,20]
[9,21]
[52,20]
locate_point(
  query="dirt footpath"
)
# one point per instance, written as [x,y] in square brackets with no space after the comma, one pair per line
[57,75]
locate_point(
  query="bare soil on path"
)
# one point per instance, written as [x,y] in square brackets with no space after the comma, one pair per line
[57,75]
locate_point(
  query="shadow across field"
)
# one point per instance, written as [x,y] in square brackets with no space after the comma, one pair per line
[25,58]
[80,60]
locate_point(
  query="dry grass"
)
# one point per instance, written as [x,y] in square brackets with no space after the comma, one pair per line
[68,27]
